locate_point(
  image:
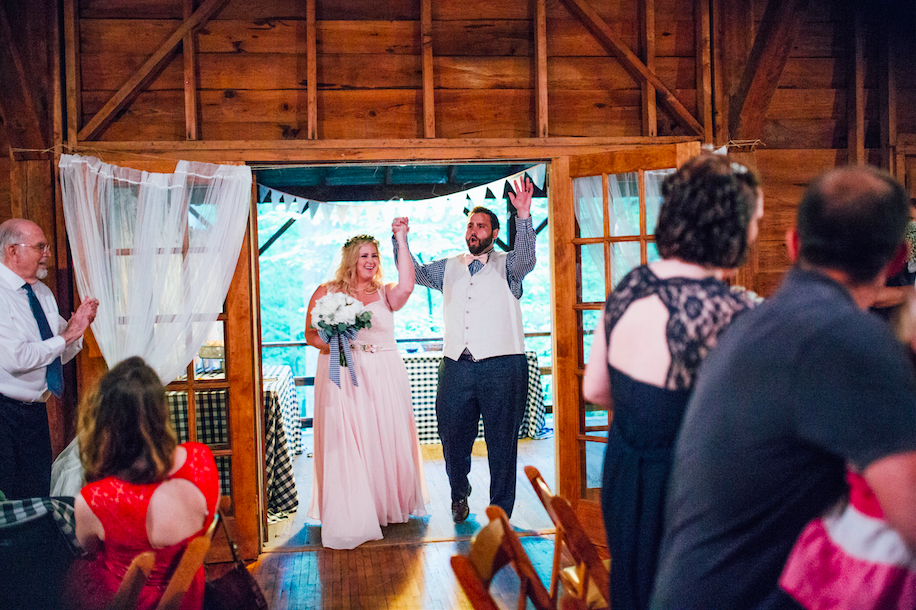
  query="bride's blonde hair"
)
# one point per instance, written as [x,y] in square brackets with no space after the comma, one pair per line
[345,277]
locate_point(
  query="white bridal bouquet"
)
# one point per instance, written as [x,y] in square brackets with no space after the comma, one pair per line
[338,317]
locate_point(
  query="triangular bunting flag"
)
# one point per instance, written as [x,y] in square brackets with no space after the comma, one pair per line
[342,211]
[312,207]
[537,175]
[477,195]
[263,193]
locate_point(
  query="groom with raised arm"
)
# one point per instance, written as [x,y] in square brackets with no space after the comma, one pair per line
[484,371]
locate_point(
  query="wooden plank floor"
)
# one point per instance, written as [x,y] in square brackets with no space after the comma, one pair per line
[410,568]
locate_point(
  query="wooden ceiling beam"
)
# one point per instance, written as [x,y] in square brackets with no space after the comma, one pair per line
[343,151]
[782,20]
[630,62]
[148,71]
[17,102]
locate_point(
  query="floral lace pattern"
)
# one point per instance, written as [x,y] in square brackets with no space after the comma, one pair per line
[699,310]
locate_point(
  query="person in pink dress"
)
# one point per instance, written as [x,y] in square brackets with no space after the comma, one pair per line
[367,466]
[144,492]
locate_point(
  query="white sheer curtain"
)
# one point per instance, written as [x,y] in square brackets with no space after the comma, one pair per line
[589,205]
[623,215]
[654,179]
[157,250]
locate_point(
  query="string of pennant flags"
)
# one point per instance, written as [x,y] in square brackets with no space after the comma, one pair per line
[433,208]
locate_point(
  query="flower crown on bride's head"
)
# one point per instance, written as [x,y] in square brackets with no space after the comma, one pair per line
[363,238]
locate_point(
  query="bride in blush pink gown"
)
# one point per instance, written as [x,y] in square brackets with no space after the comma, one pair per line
[367,466]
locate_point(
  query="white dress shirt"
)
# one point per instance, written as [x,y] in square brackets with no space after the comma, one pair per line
[23,355]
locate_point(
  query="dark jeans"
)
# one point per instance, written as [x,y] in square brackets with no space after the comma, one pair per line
[25,449]
[497,389]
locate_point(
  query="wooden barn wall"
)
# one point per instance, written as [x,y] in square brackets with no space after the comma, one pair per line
[807,124]
[252,81]
[252,69]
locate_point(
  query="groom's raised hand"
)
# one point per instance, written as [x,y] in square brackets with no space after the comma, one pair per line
[521,199]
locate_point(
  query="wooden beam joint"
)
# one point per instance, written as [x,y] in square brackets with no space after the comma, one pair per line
[781,23]
[148,71]
[631,63]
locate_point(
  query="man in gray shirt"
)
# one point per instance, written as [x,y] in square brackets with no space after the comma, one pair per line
[795,389]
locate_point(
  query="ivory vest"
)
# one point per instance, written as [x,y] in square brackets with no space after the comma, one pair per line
[480,312]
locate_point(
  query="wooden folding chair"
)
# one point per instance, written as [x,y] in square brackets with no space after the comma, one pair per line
[593,575]
[494,547]
[191,561]
[129,590]
[575,578]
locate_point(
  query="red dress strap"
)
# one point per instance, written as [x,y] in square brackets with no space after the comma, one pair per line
[200,469]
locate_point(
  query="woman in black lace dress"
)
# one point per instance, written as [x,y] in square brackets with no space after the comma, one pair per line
[659,323]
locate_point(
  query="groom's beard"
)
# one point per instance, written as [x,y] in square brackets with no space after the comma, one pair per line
[481,246]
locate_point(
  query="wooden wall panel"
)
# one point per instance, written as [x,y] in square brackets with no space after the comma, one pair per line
[260,71]
[254,9]
[5,178]
[107,72]
[369,77]
[568,36]
[379,114]
[237,36]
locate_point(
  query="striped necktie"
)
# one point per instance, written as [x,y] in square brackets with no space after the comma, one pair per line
[55,370]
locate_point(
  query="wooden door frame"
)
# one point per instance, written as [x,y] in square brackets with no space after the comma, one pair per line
[243,300]
[568,367]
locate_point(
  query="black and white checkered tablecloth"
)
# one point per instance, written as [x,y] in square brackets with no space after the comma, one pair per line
[279,379]
[16,512]
[423,372]
[212,418]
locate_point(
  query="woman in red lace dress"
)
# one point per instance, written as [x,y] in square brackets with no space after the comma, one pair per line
[144,492]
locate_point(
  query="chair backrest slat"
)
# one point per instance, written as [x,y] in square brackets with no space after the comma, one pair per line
[494,547]
[191,561]
[580,545]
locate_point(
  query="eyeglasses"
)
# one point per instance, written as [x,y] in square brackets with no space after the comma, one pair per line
[43,248]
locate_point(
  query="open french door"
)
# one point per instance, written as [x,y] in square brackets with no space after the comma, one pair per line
[588,260]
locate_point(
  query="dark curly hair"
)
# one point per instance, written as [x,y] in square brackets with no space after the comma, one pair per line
[707,208]
[853,219]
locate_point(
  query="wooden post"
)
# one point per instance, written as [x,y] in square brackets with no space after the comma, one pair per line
[426,48]
[189,54]
[855,89]
[646,53]
[311,59]
[704,67]
[72,66]
[888,91]
[540,46]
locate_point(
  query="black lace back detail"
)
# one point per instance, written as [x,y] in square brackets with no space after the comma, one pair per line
[699,310]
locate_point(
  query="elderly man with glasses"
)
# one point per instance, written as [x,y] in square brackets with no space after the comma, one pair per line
[34,343]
